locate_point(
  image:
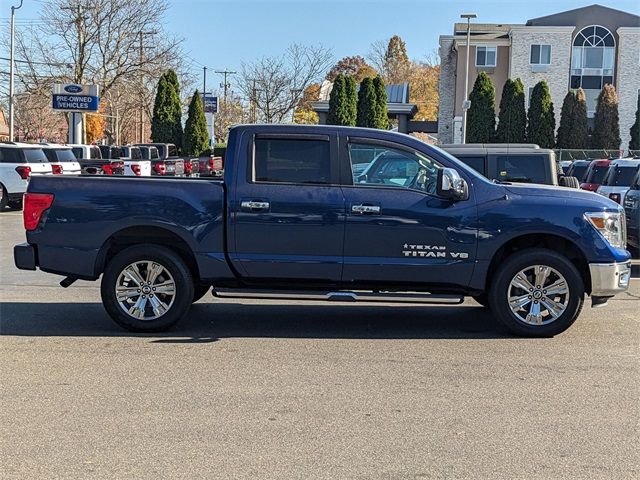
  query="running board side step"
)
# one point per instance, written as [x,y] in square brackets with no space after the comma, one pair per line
[340,296]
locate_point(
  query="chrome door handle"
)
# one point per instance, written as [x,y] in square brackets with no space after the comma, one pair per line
[365,209]
[254,205]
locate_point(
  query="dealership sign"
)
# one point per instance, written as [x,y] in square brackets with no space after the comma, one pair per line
[75,98]
[210,103]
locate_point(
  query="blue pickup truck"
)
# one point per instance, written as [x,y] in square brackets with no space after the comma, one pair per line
[331,213]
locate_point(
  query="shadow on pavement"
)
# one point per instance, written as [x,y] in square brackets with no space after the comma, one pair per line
[209,322]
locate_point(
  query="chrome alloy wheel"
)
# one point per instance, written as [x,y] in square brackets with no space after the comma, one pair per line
[145,290]
[538,295]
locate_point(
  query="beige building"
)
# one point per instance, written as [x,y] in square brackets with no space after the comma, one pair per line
[587,47]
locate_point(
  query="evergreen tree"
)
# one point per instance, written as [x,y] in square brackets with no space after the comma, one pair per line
[634,144]
[342,102]
[351,88]
[512,119]
[579,136]
[606,124]
[567,116]
[396,63]
[196,135]
[166,123]
[541,121]
[481,117]
[381,97]
[367,105]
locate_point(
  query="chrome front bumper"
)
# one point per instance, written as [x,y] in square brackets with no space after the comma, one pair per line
[608,279]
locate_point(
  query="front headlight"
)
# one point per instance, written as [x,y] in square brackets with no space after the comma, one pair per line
[611,225]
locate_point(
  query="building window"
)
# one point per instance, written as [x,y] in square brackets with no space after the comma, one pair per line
[486,56]
[540,55]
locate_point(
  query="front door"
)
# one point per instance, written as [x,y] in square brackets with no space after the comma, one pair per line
[288,214]
[398,232]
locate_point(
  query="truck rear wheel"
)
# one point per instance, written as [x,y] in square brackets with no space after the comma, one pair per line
[537,293]
[147,288]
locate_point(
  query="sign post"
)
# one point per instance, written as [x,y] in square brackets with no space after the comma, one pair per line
[77,99]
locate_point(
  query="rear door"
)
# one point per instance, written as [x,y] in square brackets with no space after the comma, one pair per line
[288,209]
[398,232]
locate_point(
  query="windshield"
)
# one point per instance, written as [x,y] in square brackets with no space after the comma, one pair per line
[153,153]
[596,174]
[34,155]
[620,176]
[578,171]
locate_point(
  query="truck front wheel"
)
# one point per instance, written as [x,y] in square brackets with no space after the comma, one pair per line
[537,293]
[147,288]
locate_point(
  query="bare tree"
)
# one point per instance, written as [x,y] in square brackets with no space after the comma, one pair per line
[377,53]
[273,86]
[112,43]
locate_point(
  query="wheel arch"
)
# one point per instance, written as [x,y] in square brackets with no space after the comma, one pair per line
[147,234]
[554,242]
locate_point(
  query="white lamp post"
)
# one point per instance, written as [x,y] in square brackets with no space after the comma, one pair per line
[466,104]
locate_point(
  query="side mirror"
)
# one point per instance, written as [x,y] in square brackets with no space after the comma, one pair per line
[451,185]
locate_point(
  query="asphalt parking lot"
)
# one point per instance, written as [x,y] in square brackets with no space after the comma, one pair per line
[258,389]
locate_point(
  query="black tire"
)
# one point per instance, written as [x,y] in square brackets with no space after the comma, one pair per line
[4,197]
[173,266]
[569,182]
[482,299]
[200,291]
[522,260]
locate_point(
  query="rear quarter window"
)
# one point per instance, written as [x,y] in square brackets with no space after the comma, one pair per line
[291,161]
[35,155]
[476,162]
[522,168]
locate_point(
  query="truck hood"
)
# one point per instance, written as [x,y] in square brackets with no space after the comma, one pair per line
[572,195]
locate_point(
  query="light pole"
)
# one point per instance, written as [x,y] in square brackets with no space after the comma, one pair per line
[11,66]
[466,104]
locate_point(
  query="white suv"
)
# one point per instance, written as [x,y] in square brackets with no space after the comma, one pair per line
[619,179]
[62,159]
[18,161]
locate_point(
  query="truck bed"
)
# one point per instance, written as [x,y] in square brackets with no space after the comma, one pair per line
[73,242]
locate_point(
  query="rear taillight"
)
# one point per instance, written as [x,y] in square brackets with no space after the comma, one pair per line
[615,197]
[188,167]
[212,163]
[136,170]
[24,172]
[107,169]
[56,169]
[160,168]
[34,205]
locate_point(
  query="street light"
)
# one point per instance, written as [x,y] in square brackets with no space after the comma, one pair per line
[11,68]
[466,103]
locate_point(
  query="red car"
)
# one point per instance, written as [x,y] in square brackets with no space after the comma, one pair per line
[595,175]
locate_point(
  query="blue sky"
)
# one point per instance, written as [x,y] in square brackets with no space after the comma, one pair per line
[223,33]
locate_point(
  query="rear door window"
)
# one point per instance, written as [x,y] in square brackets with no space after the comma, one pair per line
[292,161]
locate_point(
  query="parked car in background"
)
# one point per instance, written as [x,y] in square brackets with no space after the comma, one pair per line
[578,169]
[593,177]
[62,159]
[620,175]
[134,164]
[109,151]
[149,153]
[168,164]
[191,167]
[89,152]
[211,166]
[18,162]
[631,205]
[520,163]
[565,165]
